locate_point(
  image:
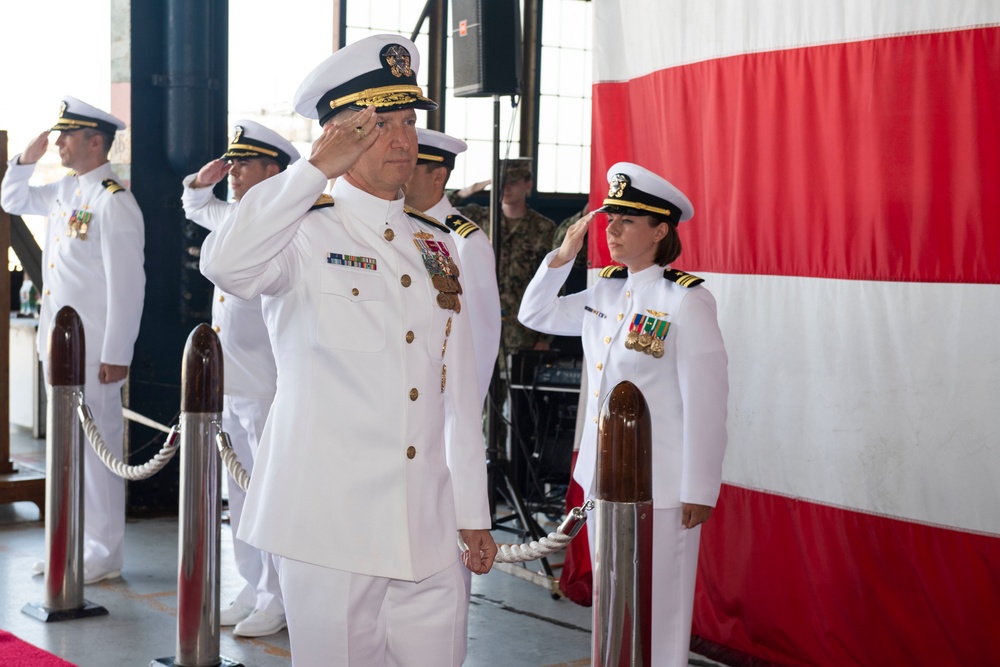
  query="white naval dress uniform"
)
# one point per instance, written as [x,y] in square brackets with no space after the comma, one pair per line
[353,474]
[250,382]
[480,285]
[102,278]
[686,390]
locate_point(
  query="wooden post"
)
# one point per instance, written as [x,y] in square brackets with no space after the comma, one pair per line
[15,485]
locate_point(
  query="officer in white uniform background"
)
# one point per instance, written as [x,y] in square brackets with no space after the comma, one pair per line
[425,192]
[354,485]
[92,261]
[657,328]
[256,153]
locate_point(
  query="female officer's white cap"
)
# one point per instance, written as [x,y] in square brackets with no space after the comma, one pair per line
[253,140]
[438,148]
[77,115]
[380,70]
[636,188]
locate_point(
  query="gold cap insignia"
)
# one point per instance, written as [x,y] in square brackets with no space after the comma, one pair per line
[62,109]
[398,60]
[617,185]
[237,134]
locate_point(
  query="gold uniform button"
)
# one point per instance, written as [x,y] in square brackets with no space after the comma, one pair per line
[600,366]
[355,291]
[409,336]
[628,294]
[216,328]
[411,451]
[404,280]
[47,292]
[595,420]
[52,265]
[621,316]
[414,393]
[597,394]
[78,193]
[607,339]
[389,234]
[221,298]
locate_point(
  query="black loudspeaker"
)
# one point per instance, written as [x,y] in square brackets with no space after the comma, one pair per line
[486,41]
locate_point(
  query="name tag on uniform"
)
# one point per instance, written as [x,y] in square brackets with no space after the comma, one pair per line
[356,261]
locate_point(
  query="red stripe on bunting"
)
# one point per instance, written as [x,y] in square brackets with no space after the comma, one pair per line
[833,587]
[870,160]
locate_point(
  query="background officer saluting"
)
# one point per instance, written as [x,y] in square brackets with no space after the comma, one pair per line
[354,484]
[256,153]
[92,261]
[425,192]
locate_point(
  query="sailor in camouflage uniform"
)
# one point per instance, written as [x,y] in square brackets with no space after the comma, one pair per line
[656,327]
[92,260]
[525,238]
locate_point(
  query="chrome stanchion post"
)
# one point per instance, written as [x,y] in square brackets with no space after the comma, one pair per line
[64,476]
[200,513]
[623,550]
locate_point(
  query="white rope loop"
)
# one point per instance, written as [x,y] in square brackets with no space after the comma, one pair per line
[131,473]
[554,541]
[233,465]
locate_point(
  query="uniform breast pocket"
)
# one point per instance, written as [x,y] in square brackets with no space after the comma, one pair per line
[352,310]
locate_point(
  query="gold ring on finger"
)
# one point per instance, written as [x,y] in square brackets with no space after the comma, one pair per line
[361,132]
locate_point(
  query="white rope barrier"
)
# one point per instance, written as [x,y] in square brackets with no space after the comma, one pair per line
[145,421]
[554,541]
[131,473]
[233,464]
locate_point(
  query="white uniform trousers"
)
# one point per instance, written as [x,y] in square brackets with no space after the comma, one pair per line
[342,619]
[675,566]
[103,490]
[243,419]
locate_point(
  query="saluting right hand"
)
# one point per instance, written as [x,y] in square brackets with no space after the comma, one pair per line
[343,141]
[573,241]
[36,149]
[210,174]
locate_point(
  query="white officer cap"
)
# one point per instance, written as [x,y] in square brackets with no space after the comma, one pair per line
[634,189]
[252,140]
[380,70]
[438,148]
[77,115]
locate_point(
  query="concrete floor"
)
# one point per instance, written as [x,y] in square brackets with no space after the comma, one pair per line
[512,621]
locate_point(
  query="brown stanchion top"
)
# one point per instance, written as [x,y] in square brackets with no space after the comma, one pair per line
[201,372]
[67,358]
[624,447]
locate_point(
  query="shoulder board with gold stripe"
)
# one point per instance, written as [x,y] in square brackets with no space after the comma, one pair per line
[681,278]
[111,185]
[613,271]
[324,201]
[426,219]
[461,225]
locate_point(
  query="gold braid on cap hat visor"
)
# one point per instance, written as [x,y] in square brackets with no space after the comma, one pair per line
[75,122]
[639,206]
[384,96]
[430,158]
[251,147]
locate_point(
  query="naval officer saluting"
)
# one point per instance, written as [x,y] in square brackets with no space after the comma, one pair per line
[92,261]
[425,192]
[354,485]
[657,328]
[255,153]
